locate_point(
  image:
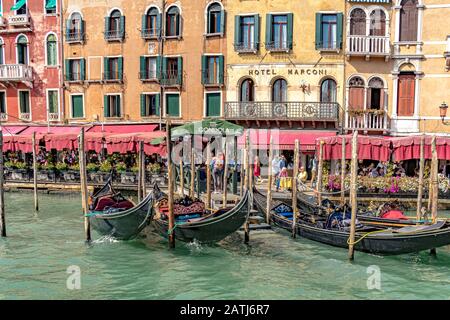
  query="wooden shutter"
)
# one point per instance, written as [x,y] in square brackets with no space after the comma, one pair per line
[158,104]
[122,27]
[142,68]
[120,67]
[221,69]
[408,20]
[356,98]
[204,68]
[269,33]
[117,106]
[107,25]
[82,69]
[318,31]
[406,95]
[180,70]
[106,67]
[106,106]
[143,107]
[290,30]
[237,30]
[222,22]
[340,28]
[67,69]
[256,17]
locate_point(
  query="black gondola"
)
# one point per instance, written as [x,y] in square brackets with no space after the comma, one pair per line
[112,215]
[380,240]
[209,229]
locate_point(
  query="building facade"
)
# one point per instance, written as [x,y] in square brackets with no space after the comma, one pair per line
[30,61]
[144,61]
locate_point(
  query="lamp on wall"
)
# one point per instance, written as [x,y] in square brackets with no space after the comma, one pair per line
[443,111]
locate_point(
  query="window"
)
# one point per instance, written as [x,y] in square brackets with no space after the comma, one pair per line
[115,26]
[247,91]
[279,32]
[375,94]
[246,37]
[149,67]
[213,104]
[20,6]
[52,51]
[408,20]
[172,74]
[212,70]
[22,50]
[378,23]
[113,69]
[75,28]
[150,105]
[75,69]
[2,51]
[50,6]
[279,91]
[24,101]
[406,94]
[173,104]
[329,31]
[52,101]
[358,22]
[2,102]
[112,106]
[151,24]
[216,19]
[356,94]
[173,22]
[77,106]
[328,91]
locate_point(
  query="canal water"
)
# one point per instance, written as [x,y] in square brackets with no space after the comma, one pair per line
[40,248]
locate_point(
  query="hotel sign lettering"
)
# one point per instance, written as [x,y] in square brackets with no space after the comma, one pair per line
[290,72]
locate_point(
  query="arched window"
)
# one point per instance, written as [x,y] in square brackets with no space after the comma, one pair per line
[247,91]
[408,20]
[358,22]
[328,91]
[279,91]
[115,26]
[22,50]
[151,23]
[356,93]
[375,94]
[114,20]
[215,19]
[75,28]
[52,51]
[173,24]
[377,23]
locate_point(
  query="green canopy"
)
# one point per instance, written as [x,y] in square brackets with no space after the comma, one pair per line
[212,127]
[51,4]
[19,4]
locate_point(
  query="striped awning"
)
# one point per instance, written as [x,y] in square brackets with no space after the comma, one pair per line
[371,1]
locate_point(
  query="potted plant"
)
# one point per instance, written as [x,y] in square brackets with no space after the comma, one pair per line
[100,173]
[46,172]
[126,176]
[68,173]
[19,170]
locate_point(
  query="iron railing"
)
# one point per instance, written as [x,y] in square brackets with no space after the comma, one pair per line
[114,35]
[171,78]
[75,36]
[279,46]
[153,33]
[246,47]
[113,76]
[148,75]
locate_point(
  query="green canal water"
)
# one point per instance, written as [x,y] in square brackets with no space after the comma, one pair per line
[41,246]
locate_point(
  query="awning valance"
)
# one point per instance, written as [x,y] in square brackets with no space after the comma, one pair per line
[407,148]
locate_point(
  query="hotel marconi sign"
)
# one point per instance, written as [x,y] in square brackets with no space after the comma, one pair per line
[290,72]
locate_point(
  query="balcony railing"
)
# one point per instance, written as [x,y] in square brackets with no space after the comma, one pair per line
[209,79]
[170,78]
[368,45]
[75,36]
[367,121]
[53,116]
[74,77]
[19,20]
[25,116]
[148,75]
[328,46]
[279,46]
[114,35]
[3,116]
[16,72]
[112,76]
[150,33]
[246,47]
[2,22]
[308,111]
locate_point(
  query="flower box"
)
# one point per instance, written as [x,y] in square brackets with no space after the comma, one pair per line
[98,176]
[18,174]
[46,175]
[70,176]
[128,178]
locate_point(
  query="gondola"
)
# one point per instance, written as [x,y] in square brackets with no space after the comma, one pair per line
[112,215]
[376,240]
[210,228]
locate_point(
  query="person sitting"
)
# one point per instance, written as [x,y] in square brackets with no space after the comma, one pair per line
[284,179]
[302,175]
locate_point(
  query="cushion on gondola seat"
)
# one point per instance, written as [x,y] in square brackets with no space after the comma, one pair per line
[282,208]
[103,203]
[287,214]
[187,217]
[394,215]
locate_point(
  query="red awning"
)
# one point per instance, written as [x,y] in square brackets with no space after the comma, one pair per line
[43,130]
[123,128]
[11,130]
[284,139]
[369,148]
[407,148]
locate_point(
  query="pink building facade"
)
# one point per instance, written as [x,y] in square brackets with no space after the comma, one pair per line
[30,61]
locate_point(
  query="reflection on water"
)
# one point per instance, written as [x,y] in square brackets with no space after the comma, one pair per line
[41,246]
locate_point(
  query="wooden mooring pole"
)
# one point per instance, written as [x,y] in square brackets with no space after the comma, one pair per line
[171,231]
[243,168]
[343,164]
[269,182]
[35,189]
[225,175]
[208,176]
[192,182]
[294,187]
[2,198]
[247,186]
[181,177]
[141,172]
[319,175]
[435,181]
[84,190]
[421,170]
[353,199]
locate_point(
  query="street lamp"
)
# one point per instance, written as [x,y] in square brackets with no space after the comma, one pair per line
[443,111]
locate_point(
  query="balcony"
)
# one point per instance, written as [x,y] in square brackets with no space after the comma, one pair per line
[368,46]
[74,77]
[279,46]
[113,76]
[149,34]
[16,73]
[148,75]
[283,111]
[25,116]
[170,79]
[3,22]
[212,80]
[75,36]
[246,47]
[367,120]
[20,20]
[53,116]
[114,35]
[3,116]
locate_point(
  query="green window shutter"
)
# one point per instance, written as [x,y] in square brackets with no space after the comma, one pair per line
[257,31]
[117,106]
[106,106]
[68,25]
[82,28]
[237,30]
[158,67]
[269,35]
[158,104]
[106,67]
[122,26]
[221,69]
[83,69]
[290,30]
[158,24]
[173,105]
[164,74]
[213,105]
[120,61]
[143,113]
[204,68]
[67,69]
[180,70]
[107,25]
[222,22]
[144,23]
[318,31]
[339,35]
[142,69]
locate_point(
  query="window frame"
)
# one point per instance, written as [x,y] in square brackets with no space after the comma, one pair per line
[109,95]
[147,94]
[47,95]
[47,52]
[177,21]
[19,91]
[71,95]
[27,46]
[5,105]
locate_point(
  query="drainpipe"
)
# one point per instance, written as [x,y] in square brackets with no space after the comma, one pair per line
[61,61]
[161,53]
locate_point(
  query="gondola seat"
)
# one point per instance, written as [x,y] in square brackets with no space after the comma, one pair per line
[108,202]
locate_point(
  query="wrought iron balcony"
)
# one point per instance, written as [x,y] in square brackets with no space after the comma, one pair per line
[170,79]
[74,77]
[75,36]
[246,47]
[3,116]
[113,76]
[368,46]
[25,116]
[279,46]
[20,20]
[148,75]
[368,120]
[114,35]
[53,116]
[209,79]
[328,46]
[16,73]
[286,111]
[149,34]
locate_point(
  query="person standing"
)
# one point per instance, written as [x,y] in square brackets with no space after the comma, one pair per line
[276,170]
[257,169]
[313,166]
[218,166]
